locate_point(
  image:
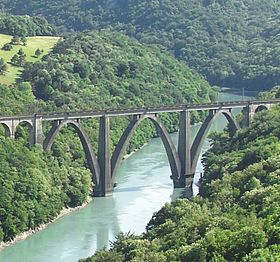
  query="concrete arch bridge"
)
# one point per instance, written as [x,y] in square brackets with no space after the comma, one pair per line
[104,165]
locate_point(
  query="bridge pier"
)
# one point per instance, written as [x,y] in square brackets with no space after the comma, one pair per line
[37,132]
[247,114]
[106,183]
[184,151]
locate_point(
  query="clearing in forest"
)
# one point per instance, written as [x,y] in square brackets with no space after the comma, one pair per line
[33,43]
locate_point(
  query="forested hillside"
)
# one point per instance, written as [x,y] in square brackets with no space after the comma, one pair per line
[25,25]
[236,216]
[233,43]
[90,70]
[103,69]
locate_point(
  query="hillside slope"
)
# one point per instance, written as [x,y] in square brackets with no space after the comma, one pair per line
[104,69]
[45,43]
[233,43]
[25,25]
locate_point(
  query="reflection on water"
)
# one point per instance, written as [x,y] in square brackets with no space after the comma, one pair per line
[144,185]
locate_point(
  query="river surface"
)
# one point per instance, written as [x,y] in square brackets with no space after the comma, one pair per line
[143,188]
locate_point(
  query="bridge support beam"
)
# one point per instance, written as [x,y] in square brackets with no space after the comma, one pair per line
[37,131]
[246,112]
[184,151]
[106,184]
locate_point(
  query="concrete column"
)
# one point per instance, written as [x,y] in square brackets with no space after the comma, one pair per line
[184,150]
[15,123]
[38,131]
[106,185]
[246,111]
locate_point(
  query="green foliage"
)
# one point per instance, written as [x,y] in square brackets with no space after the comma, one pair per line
[8,51]
[85,71]
[34,187]
[3,66]
[273,93]
[18,100]
[19,58]
[102,69]
[15,40]
[23,26]
[231,42]
[38,52]
[7,47]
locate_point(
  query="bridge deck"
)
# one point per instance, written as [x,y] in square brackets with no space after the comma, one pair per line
[140,111]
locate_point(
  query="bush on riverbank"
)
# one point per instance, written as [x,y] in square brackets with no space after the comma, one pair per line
[236,218]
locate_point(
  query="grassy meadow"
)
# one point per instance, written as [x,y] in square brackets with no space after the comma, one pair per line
[42,42]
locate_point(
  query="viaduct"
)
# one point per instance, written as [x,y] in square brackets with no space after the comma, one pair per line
[104,165]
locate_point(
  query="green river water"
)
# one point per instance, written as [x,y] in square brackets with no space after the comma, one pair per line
[143,188]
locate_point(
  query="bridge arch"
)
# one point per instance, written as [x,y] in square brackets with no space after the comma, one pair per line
[24,124]
[261,108]
[7,129]
[204,130]
[87,147]
[169,146]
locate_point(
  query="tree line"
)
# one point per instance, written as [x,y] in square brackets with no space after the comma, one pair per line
[23,26]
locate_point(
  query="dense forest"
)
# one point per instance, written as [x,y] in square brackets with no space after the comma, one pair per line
[103,69]
[236,216]
[25,25]
[90,70]
[233,43]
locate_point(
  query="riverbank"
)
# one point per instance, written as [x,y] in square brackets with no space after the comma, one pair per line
[133,152]
[62,213]
[29,232]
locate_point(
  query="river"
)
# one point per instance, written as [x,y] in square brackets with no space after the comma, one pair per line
[143,187]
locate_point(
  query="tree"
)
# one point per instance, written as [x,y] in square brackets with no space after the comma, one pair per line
[7,47]
[3,66]
[23,40]
[14,60]
[38,52]
[15,40]
[21,52]
[19,58]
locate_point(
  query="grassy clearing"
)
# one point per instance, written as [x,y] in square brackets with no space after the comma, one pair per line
[42,42]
